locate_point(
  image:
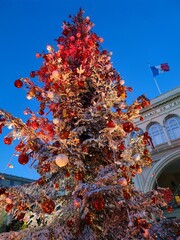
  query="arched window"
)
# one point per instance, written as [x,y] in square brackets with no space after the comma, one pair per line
[156,133]
[172,125]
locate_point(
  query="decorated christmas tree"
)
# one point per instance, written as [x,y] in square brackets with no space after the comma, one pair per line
[84,143]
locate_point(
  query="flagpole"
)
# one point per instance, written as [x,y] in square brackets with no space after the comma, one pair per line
[155,81]
[157,86]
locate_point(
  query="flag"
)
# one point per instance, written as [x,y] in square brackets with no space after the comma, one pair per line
[156,70]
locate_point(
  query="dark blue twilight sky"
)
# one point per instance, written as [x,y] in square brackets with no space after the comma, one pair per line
[136,31]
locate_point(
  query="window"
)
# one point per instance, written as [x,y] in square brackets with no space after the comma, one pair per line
[11,183]
[172,125]
[156,133]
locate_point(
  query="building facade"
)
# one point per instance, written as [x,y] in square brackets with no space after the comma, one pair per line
[162,122]
[7,180]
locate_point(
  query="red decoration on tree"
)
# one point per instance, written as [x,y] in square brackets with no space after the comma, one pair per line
[110,124]
[170,209]
[18,83]
[79,175]
[48,206]
[128,127]
[20,146]
[98,203]
[8,140]
[23,158]
[9,207]
[88,219]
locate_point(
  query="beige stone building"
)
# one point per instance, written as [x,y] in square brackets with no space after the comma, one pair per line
[162,122]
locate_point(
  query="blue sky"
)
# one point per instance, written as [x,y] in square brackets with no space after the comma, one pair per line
[138,32]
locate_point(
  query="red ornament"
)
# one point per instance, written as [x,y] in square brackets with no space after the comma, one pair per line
[99,203]
[35,125]
[170,209]
[41,181]
[121,146]
[110,124]
[8,140]
[46,167]
[148,159]
[126,194]
[20,216]
[128,127]
[67,174]
[9,207]
[18,83]
[19,147]
[69,223]
[23,158]
[64,134]
[79,175]
[48,206]
[88,219]
[32,74]
[146,152]
[141,118]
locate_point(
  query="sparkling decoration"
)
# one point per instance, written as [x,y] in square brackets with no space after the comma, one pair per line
[48,206]
[61,160]
[128,127]
[23,159]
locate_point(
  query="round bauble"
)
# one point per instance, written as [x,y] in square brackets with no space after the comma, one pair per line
[61,160]
[23,159]
[8,140]
[128,127]
[99,203]
[48,206]
[18,83]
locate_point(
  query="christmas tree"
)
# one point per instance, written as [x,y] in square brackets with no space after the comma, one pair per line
[85,144]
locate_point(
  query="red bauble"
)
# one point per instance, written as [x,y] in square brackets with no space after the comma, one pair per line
[128,127]
[32,74]
[23,159]
[8,140]
[121,146]
[64,134]
[110,124]
[79,175]
[20,216]
[46,167]
[48,206]
[9,207]
[88,219]
[148,159]
[170,209]
[146,152]
[18,83]
[99,203]
[69,223]
[19,147]
[41,181]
